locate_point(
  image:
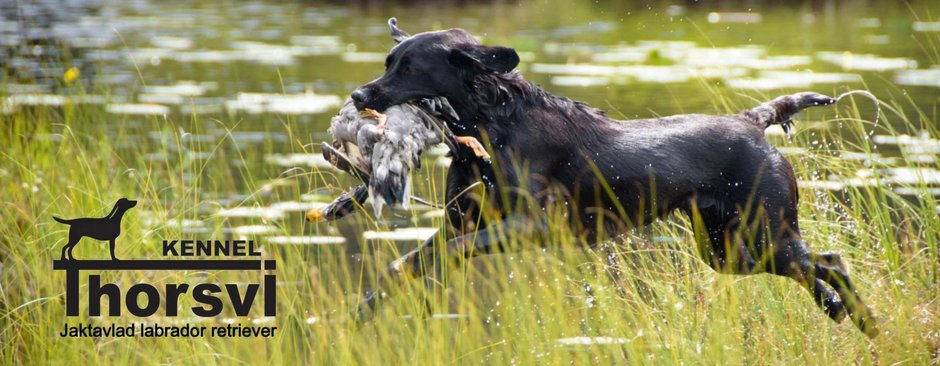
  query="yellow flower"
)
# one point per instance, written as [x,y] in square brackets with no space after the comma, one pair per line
[71,74]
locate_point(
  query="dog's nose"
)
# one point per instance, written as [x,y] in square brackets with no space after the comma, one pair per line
[359,97]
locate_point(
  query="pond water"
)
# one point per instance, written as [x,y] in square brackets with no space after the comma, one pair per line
[248,88]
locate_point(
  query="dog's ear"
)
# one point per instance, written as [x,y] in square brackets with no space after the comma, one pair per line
[484,58]
[397,34]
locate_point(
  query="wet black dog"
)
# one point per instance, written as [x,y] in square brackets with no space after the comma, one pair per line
[719,170]
[103,228]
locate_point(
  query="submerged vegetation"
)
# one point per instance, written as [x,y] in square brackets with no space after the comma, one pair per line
[228,156]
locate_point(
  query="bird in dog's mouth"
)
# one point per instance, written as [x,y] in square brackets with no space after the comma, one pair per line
[382,149]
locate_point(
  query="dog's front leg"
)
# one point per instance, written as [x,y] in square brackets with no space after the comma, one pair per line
[427,259]
[112,251]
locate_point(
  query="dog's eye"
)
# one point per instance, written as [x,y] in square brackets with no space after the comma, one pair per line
[410,69]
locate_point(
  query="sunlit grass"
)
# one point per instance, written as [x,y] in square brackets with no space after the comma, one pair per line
[669,308]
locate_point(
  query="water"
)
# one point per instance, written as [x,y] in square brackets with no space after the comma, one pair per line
[264,77]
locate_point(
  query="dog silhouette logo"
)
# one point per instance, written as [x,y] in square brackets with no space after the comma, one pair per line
[99,228]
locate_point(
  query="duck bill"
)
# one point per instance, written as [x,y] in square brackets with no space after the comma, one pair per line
[346,204]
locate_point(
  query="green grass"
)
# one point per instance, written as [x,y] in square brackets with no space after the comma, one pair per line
[672,308]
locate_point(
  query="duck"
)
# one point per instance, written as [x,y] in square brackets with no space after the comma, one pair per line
[382,149]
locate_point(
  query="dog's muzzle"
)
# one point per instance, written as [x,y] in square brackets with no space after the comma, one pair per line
[360,96]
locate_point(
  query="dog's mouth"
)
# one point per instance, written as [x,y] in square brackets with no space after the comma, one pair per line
[376,99]
[378,103]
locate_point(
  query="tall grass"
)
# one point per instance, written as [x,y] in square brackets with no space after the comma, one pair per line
[668,307]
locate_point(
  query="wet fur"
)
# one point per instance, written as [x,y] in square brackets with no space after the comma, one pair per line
[719,170]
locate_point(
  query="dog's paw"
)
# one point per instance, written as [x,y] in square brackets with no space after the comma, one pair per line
[787,125]
[834,309]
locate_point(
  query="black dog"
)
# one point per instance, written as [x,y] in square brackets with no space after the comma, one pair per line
[105,228]
[719,170]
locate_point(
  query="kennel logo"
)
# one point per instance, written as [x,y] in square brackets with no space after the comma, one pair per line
[209,299]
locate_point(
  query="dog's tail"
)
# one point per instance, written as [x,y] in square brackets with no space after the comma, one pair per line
[779,110]
[64,221]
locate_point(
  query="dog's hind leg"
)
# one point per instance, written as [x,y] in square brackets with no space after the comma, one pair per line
[788,255]
[73,241]
[792,258]
[829,267]
[65,248]
[837,277]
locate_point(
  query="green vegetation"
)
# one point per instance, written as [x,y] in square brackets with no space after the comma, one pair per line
[514,307]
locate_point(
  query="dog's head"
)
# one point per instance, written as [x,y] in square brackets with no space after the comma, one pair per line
[126,204]
[431,64]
